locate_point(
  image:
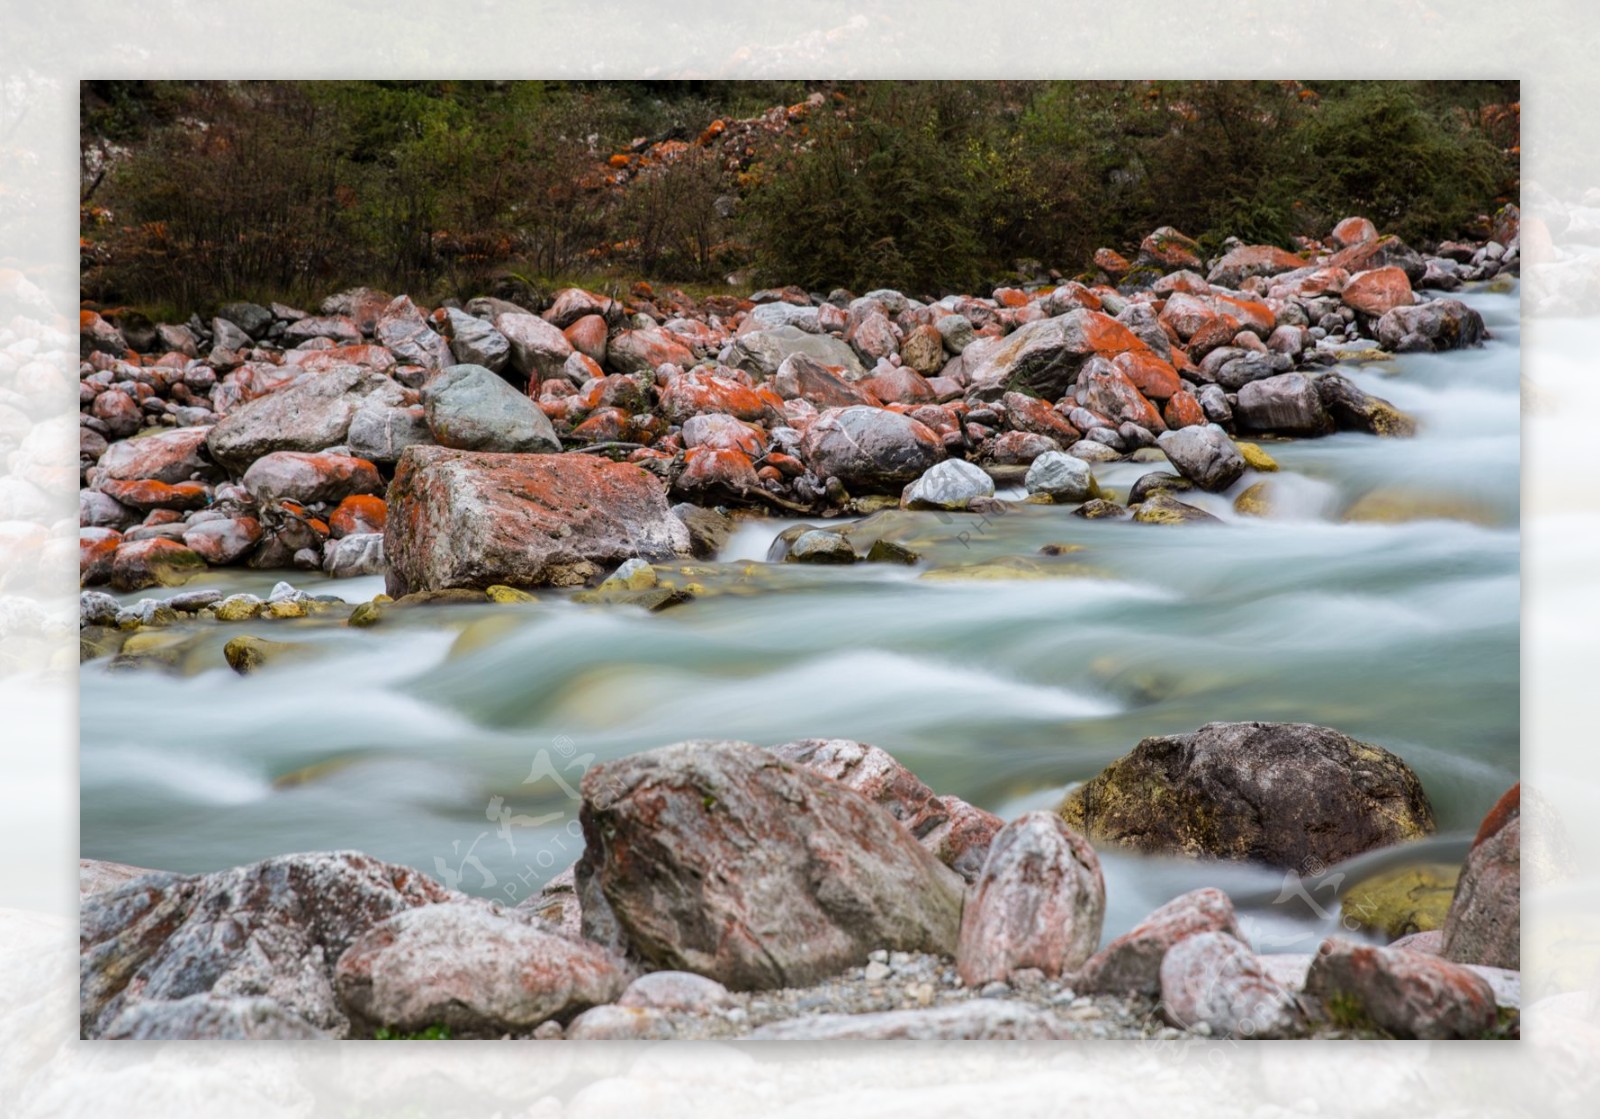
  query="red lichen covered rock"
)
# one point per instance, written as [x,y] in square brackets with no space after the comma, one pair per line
[1107,390]
[1377,291]
[1030,414]
[1045,357]
[646,351]
[587,336]
[1183,411]
[700,390]
[1354,231]
[715,472]
[899,385]
[153,562]
[1402,991]
[1153,377]
[1214,979]
[1168,249]
[224,540]
[146,494]
[473,519]
[171,456]
[359,513]
[307,477]
[1251,260]
[97,548]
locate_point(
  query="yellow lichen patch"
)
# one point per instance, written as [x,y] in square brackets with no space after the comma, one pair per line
[483,632]
[1255,458]
[500,593]
[1407,900]
[1255,501]
[246,654]
[1014,568]
[1393,507]
[285,608]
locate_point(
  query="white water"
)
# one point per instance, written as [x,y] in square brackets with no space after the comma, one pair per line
[1003,693]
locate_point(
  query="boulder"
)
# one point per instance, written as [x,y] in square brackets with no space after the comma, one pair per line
[1169,250]
[646,351]
[1212,978]
[802,376]
[357,554]
[1038,903]
[1045,357]
[675,991]
[362,306]
[475,519]
[1238,265]
[1291,795]
[272,929]
[474,967]
[721,859]
[956,833]
[472,409]
[1132,963]
[1204,455]
[869,449]
[1378,253]
[1354,231]
[153,563]
[1483,924]
[1378,291]
[1060,477]
[1030,414]
[172,456]
[762,353]
[1354,410]
[1289,404]
[952,484]
[569,305]
[702,390]
[538,349]
[144,494]
[224,540]
[1404,992]
[475,342]
[311,413]
[899,385]
[339,329]
[308,478]
[406,333]
[1105,389]
[1440,324]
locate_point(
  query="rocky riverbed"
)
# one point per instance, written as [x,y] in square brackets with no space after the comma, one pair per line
[431,536]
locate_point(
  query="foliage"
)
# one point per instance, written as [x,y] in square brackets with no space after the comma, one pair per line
[436,1033]
[287,190]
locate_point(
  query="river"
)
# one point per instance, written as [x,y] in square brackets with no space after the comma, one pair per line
[448,738]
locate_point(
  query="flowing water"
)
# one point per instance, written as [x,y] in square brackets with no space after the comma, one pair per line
[452,738]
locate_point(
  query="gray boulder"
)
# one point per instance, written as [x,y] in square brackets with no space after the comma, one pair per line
[406,333]
[380,432]
[471,408]
[358,554]
[272,929]
[1204,455]
[1440,324]
[721,859]
[538,349]
[311,413]
[952,484]
[1046,356]
[1060,477]
[1288,404]
[475,342]
[869,448]
[760,353]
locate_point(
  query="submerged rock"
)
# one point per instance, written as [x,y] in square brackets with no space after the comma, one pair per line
[722,859]
[1403,901]
[473,519]
[1290,795]
[1161,508]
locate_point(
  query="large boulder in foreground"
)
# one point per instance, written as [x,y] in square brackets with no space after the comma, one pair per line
[1291,795]
[722,859]
[272,929]
[1484,922]
[474,967]
[475,519]
[869,449]
[1039,903]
